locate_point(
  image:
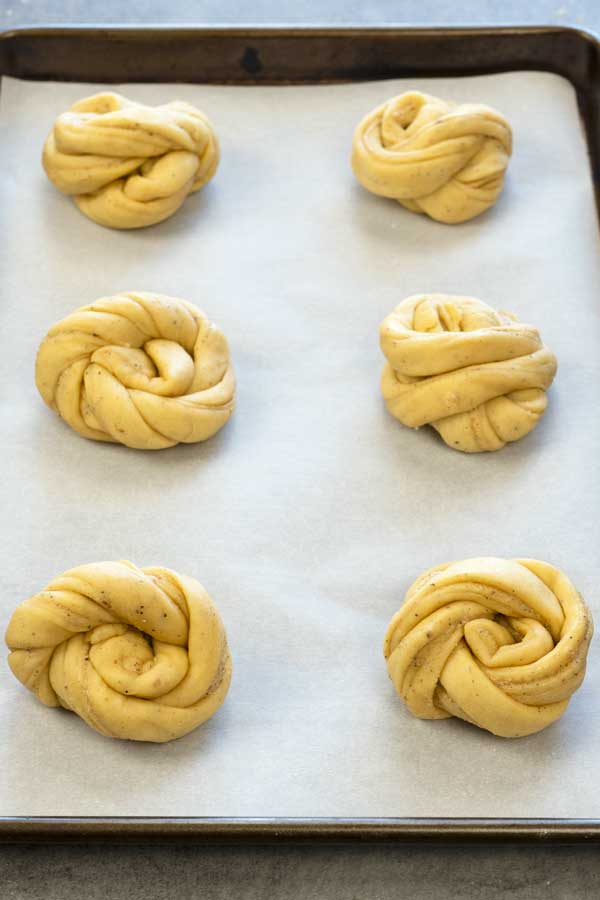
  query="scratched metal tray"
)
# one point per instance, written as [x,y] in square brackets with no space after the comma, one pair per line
[302,56]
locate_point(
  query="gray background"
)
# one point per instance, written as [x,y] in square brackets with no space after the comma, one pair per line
[358,872]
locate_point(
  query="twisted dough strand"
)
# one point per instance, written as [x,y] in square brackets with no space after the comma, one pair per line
[478,376]
[140,369]
[128,165]
[137,653]
[433,157]
[499,643]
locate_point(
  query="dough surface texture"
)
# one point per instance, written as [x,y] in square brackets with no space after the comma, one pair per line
[478,376]
[128,165]
[444,159]
[140,369]
[500,643]
[139,654]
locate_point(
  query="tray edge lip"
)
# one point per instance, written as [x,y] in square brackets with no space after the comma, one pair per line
[587,38]
[74,829]
[588,35]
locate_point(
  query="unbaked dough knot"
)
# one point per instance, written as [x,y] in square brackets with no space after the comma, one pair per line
[499,643]
[128,165]
[478,376]
[444,159]
[137,653]
[141,369]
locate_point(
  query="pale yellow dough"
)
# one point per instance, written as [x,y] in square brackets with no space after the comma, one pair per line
[433,157]
[140,369]
[139,654]
[127,165]
[478,376]
[500,643]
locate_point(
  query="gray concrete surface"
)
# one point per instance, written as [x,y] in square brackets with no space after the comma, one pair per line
[579,12]
[300,873]
[332,873]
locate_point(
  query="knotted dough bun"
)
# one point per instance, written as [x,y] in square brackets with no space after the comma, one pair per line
[140,369]
[128,165]
[500,643]
[434,157]
[478,376]
[137,653]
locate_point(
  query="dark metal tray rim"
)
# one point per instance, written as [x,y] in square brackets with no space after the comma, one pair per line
[84,829]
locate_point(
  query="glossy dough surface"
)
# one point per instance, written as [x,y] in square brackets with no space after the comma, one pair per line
[127,165]
[139,654]
[433,157]
[478,376]
[500,643]
[140,369]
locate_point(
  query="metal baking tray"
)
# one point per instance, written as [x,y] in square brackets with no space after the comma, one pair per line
[246,56]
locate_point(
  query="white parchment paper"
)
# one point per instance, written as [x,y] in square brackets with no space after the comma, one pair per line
[310,514]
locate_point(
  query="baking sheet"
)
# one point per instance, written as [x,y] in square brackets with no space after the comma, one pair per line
[309,515]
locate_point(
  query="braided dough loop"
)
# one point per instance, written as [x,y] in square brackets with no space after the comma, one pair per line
[478,376]
[128,165]
[499,643]
[140,369]
[139,654]
[433,157]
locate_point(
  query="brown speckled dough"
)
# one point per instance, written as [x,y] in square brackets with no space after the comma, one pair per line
[128,165]
[500,643]
[433,157]
[140,369]
[137,653]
